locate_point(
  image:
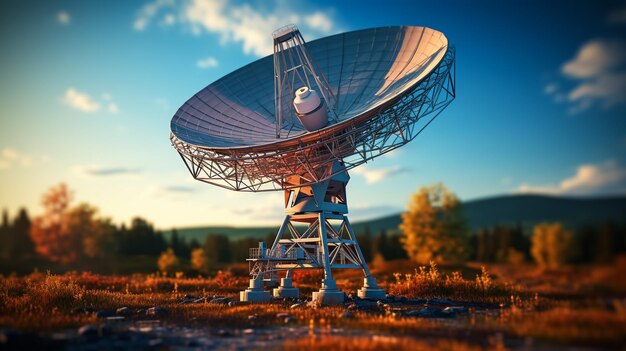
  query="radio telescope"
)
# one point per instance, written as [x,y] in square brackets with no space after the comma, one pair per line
[297,121]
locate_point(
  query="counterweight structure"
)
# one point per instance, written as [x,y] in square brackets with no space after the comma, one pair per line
[330,105]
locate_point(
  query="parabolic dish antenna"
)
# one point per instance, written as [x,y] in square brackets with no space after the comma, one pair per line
[298,120]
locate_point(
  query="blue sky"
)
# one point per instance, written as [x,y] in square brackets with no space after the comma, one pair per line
[88,89]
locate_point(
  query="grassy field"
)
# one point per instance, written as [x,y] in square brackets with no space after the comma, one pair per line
[494,308]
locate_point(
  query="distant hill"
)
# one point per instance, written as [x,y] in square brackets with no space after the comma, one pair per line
[527,210]
[532,209]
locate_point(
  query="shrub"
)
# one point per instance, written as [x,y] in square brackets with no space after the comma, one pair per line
[428,282]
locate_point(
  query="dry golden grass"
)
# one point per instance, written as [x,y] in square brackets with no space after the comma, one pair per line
[383,343]
[43,302]
[586,326]
[429,282]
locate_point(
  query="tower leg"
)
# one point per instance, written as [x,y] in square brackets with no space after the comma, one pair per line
[370,288]
[328,294]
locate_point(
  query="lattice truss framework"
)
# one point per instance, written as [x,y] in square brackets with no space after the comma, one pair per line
[362,139]
[300,248]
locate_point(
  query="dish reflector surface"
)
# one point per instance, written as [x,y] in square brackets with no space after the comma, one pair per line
[367,69]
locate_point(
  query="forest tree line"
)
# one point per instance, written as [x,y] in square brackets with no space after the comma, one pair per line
[434,228]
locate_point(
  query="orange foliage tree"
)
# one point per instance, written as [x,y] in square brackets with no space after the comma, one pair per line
[552,245]
[49,231]
[434,228]
[63,234]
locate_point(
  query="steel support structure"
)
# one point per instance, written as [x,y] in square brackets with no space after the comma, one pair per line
[315,233]
[311,157]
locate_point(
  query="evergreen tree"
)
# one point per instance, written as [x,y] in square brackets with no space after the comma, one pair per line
[502,236]
[217,248]
[269,239]
[179,245]
[482,246]
[5,233]
[365,243]
[395,248]
[605,242]
[586,240]
[381,246]
[240,249]
[5,219]
[141,239]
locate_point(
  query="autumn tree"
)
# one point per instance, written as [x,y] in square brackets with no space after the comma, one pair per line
[200,261]
[168,262]
[50,231]
[434,227]
[65,235]
[551,245]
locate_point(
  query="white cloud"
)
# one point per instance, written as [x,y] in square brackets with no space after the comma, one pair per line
[599,75]
[239,23]
[168,20]
[590,179]
[148,12]
[209,62]
[85,103]
[607,88]
[63,17]
[320,21]
[80,101]
[10,157]
[99,171]
[595,58]
[9,154]
[376,175]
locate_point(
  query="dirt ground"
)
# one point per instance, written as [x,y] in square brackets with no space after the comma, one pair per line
[442,308]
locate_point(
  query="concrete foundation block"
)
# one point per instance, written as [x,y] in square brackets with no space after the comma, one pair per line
[371,294]
[370,290]
[329,296]
[250,295]
[287,292]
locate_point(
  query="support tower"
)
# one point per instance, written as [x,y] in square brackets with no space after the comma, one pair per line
[315,233]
